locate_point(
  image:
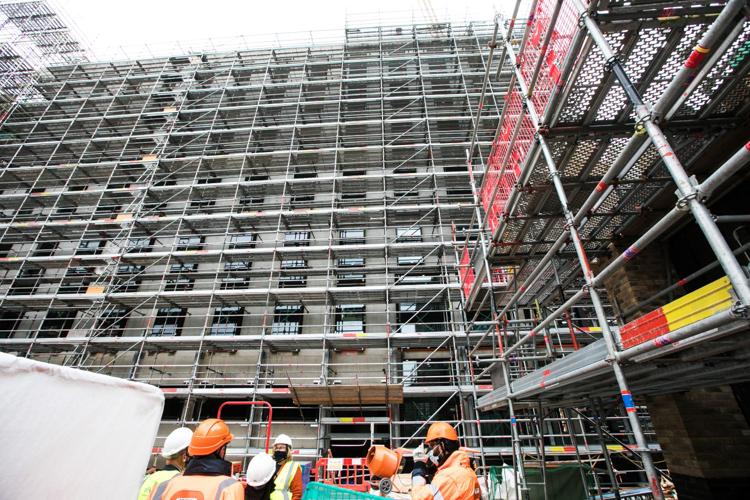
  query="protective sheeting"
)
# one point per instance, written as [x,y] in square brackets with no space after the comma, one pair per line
[68,433]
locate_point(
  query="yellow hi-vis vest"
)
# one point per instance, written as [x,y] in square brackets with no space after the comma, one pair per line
[284,480]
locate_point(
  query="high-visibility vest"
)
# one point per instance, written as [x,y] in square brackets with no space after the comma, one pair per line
[281,487]
[154,480]
[454,480]
[200,488]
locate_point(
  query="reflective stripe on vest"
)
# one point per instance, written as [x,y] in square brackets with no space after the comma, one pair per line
[224,485]
[435,492]
[160,490]
[283,481]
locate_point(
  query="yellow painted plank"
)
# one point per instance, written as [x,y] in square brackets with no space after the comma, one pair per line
[700,304]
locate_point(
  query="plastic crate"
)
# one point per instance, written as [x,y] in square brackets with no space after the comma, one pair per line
[320,491]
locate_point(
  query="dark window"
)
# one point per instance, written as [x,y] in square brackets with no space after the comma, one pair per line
[459,192]
[251,200]
[302,200]
[353,196]
[112,322]
[76,279]
[305,174]
[202,203]
[420,317]
[237,265]
[293,264]
[183,267]
[128,278]
[65,210]
[257,176]
[297,239]
[352,236]
[57,323]
[350,318]
[408,234]
[287,320]
[246,240]
[292,280]
[409,260]
[186,243]
[9,321]
[414,278]
[352,262]
[179,284]
[27,280]
[139,245]
[90,247]
[351,173]
[227,320]
[168,321]
[234,283]
[350,279]
[45,249]
[208,180]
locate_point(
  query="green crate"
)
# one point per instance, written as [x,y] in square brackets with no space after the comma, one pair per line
[320,491]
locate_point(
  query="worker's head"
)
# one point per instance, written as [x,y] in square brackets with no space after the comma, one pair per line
[442,441]
[260,471]
[210,438]
[176,446]
[282,447]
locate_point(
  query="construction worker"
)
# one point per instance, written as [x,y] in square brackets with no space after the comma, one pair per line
[288,484]
[450,469]
[175,452]
[261,472]
[207,474]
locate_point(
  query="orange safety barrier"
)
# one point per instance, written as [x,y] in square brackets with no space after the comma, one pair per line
[349,473]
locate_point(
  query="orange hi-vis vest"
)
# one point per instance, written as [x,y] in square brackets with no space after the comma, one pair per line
[199,488]
[454,480]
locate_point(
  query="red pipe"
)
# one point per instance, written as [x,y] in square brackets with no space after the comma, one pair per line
[252,403]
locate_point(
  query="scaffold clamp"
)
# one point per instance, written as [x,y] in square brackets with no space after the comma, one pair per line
[740,310]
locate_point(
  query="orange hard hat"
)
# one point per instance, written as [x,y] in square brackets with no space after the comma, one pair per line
[209,436]
[441,430]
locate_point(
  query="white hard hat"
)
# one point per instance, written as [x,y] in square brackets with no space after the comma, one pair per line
[178,440]
[260,470]
[283,439]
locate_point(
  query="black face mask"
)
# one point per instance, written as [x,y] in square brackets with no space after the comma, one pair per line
[280,456]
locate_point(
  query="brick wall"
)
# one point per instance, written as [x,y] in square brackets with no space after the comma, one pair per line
[706,441]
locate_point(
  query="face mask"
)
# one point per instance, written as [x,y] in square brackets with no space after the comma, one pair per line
[279,455]
[435,455]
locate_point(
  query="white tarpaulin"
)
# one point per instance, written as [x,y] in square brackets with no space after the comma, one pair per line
[71,434]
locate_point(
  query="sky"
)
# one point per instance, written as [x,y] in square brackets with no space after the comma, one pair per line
[130,28]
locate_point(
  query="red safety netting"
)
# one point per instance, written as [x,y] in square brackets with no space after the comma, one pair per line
[516,131]
[466,273]
[553,55]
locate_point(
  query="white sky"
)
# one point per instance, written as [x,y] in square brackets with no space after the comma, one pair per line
[122,28]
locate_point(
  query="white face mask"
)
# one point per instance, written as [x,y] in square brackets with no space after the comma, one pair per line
[434,456]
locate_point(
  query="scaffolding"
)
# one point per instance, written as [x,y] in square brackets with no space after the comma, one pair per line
[608,108]
[375,234]
[33,36]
